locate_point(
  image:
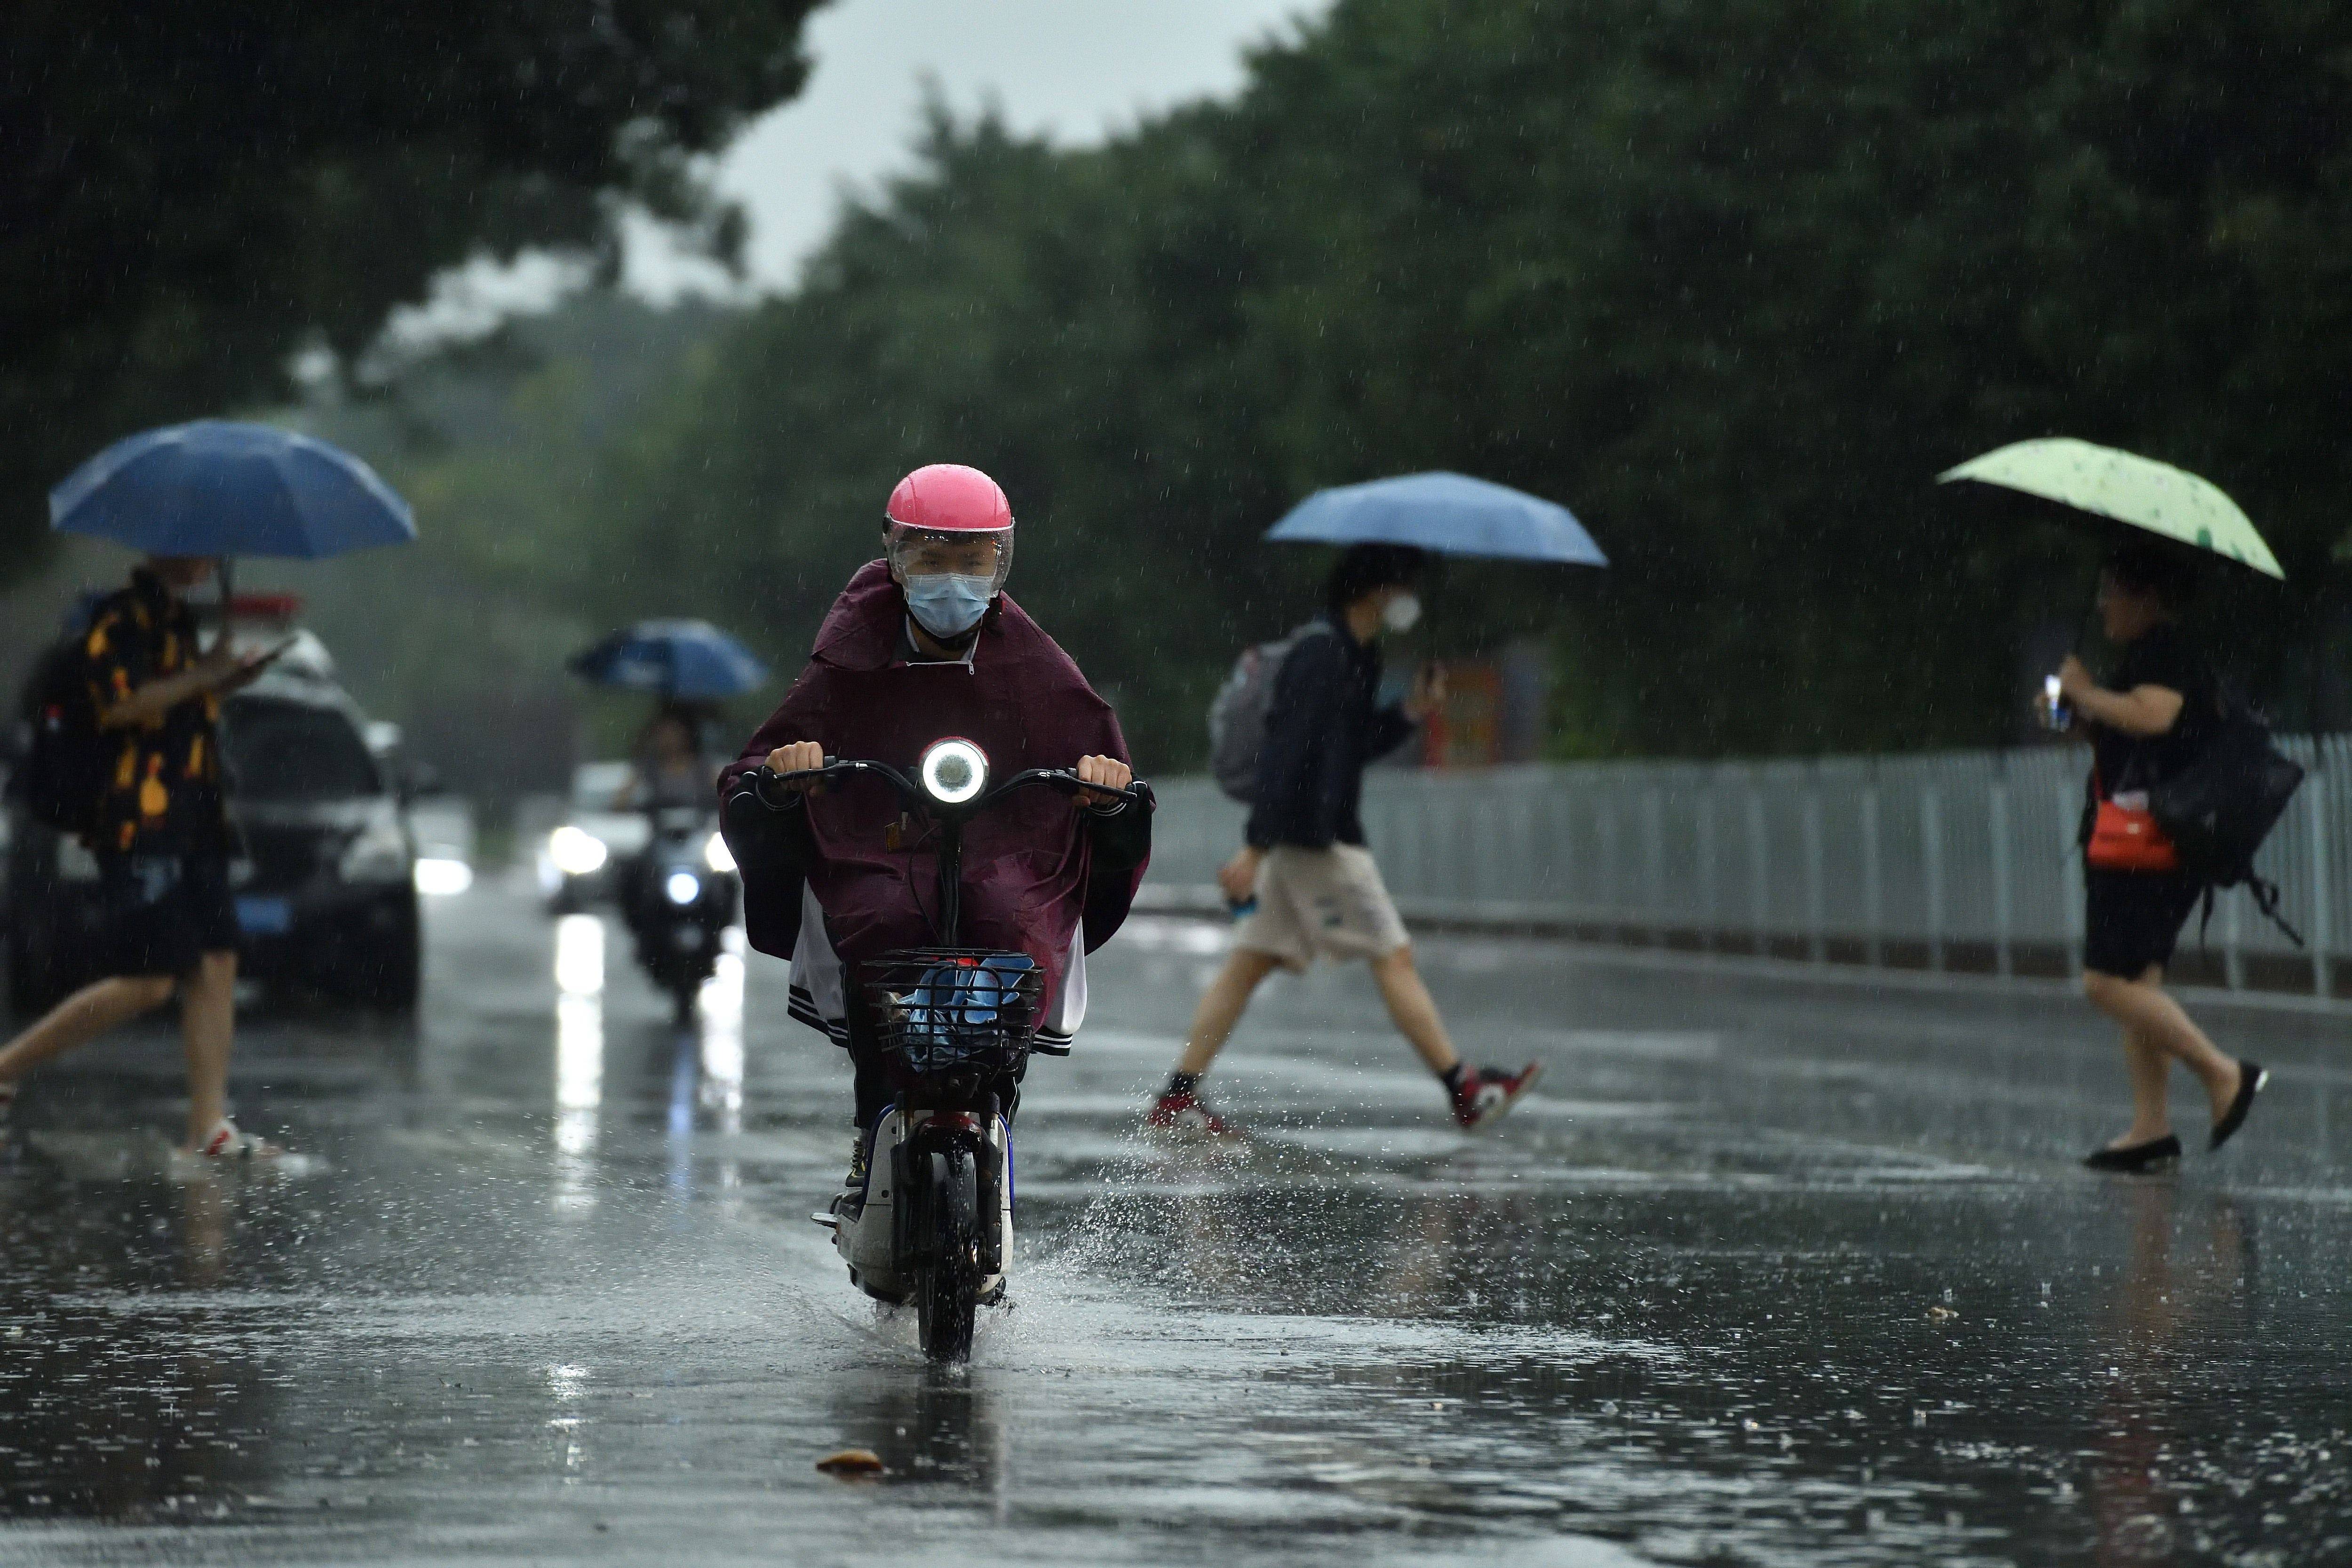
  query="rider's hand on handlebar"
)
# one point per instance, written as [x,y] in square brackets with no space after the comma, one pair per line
[797,757]
[1108,772]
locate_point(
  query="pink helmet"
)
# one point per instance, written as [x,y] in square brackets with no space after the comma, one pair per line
[948,498]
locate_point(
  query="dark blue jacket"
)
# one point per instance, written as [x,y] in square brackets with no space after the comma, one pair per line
[1324,724]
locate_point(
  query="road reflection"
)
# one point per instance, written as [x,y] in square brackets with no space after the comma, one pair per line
[579,1055]
[2183,1299]
[935,1424]
[568,1387]
[720,1015]
[118,1415]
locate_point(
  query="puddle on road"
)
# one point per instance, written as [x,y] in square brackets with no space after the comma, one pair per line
[561,1300]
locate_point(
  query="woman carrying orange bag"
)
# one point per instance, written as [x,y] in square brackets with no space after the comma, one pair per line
[2146,723]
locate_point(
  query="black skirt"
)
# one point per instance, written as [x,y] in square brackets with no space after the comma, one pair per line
[2134,918]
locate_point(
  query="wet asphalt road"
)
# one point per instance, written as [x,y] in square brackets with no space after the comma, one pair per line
[1765,1273]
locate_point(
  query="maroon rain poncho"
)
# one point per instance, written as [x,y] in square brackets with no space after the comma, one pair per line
[1028,882]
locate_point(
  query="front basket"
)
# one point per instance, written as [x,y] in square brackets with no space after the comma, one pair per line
[947,1009]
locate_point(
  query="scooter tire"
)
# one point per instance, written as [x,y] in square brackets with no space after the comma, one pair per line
[947,1293]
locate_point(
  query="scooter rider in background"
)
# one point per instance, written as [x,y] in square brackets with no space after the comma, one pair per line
[1315,889]
[677,896]
[665,764]
[668,772]
[922,644]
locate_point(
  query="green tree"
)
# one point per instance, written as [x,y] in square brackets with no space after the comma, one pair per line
[499,445]
[1734,279]
[190,192]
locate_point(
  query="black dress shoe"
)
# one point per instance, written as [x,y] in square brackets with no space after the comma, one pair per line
[2251,1077]
[2135,1158]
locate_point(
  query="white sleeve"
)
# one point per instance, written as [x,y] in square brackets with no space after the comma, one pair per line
[816,997]
[1069,1011]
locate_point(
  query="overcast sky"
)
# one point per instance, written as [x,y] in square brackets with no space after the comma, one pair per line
[1074,70]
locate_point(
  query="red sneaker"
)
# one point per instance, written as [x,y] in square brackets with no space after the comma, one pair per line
[1187,1113]
[1488,1092]
[225,1142]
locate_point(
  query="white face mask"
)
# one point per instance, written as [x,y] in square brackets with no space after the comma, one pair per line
[1401,612]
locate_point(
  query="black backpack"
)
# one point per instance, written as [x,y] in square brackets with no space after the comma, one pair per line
[2218,810]
[61,774]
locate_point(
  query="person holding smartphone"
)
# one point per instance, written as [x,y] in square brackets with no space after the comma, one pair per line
[1303,879]
[162,838]
[2146,722]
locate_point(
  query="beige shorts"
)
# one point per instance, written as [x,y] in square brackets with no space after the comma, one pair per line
[1321,903]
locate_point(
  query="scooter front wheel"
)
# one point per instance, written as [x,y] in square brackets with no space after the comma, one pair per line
[947,1293]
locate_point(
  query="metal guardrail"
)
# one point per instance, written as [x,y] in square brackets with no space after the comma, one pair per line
[1959,860]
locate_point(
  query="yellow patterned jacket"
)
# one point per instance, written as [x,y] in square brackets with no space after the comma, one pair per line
[163,795]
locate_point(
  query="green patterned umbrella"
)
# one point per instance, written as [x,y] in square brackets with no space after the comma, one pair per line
[2131,489]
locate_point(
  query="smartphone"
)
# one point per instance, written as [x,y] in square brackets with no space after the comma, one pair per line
[2055,713]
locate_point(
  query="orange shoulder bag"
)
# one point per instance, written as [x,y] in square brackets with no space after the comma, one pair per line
[2123,839]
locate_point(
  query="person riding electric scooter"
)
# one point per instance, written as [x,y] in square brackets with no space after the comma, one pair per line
[900,879]
[679,893]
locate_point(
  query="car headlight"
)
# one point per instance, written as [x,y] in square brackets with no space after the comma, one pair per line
[682,886]
[439,877]
[717,855]
[377,852]
[575,852]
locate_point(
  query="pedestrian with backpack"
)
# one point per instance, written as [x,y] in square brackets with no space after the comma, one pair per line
[2148,724]
[1292,732]
[126,757]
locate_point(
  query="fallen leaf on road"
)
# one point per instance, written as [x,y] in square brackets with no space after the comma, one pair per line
[852,1462]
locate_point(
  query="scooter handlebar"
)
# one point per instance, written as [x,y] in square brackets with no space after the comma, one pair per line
[764,777]
[1064,780]
[1067,782]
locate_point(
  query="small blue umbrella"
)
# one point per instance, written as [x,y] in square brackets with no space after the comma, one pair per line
[220,488]
[1451,514]
[690,659]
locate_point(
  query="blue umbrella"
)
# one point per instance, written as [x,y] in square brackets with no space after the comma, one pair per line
[220,488]
[1452,514]
[690,659]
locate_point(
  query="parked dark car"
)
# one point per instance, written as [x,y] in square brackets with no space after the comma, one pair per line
[325,884]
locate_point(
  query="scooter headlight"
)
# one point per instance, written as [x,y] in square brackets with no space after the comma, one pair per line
[954,772]
[682,887]
[717,855]
[576,851]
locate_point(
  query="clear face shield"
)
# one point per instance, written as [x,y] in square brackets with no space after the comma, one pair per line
[926,552]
